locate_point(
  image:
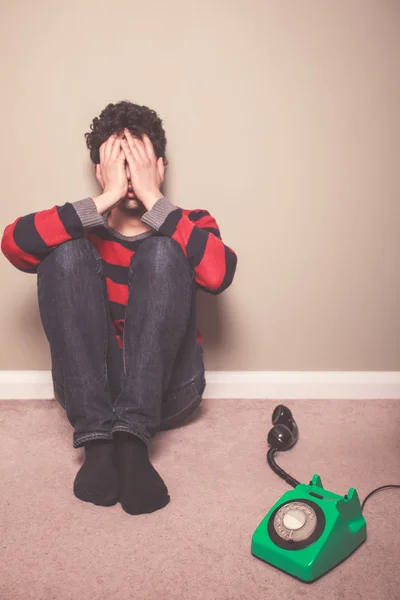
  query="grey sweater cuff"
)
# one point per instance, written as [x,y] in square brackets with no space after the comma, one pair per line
[87,212]
[160,211]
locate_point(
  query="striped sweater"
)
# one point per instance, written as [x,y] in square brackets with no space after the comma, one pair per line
[29,239]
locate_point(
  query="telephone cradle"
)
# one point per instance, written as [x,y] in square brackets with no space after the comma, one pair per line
[310,530]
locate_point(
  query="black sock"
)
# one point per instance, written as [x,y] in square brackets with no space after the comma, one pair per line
[97,479]
[141,489]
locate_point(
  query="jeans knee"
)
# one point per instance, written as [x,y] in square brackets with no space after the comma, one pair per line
[162,256]
[68,257]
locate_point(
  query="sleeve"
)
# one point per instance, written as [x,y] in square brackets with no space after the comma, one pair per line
[198,234]
[30,239]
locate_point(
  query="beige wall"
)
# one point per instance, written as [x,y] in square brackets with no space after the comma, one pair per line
[282,119]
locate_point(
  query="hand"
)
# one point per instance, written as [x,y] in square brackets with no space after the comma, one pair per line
[111,172]
[146,171]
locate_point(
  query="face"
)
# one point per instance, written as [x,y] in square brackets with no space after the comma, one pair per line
[129,202]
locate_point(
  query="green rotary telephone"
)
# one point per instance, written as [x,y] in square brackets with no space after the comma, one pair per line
[309,530]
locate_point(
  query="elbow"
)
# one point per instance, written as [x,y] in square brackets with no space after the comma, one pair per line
[5,246]
[215,286]
[229,274]
[14,255]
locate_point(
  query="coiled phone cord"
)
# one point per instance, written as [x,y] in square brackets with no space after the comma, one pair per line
[293,482]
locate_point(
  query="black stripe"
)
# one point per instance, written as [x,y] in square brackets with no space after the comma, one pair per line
[104,234]
[197,215]
[117,273]
[117,310]
[196,246]
[26,237]
[30,270]
[171,222]
[69,218]
[213,230]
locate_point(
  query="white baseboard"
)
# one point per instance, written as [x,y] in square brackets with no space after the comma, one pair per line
[307,385]
[267,385]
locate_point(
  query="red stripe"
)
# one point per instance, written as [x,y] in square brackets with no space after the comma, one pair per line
[50,227]
[112,252]
[117,292]
[211,270]
[119,326]
[20,259]
[119,340]
[182,233]
[207,221]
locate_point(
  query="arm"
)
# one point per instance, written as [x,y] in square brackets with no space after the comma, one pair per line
[31,238]
[199,236]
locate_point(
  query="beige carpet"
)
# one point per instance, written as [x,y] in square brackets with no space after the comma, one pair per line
[52,546]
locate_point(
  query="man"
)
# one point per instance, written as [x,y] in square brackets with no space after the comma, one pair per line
[117,281]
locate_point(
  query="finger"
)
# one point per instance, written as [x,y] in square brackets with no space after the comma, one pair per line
[130,150]
[122,159]
[116,148]
[149,148]
[102,149]
[108,146]
[134,145]
[127,170]
[158,177]
[138,144]
[121,156]
[141,149]
[131,156]
[99,175]
[161,168]
[129,160]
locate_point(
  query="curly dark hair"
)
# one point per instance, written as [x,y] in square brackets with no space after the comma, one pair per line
[115,117]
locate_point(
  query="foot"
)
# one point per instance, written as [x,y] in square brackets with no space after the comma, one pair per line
[97,479]
[141,489]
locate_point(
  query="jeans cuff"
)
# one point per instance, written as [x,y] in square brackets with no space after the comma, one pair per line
[87,437]
[127,429]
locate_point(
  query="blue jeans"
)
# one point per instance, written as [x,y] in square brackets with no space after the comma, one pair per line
[157,379]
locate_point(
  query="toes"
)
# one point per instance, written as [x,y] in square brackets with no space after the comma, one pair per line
[145,507]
